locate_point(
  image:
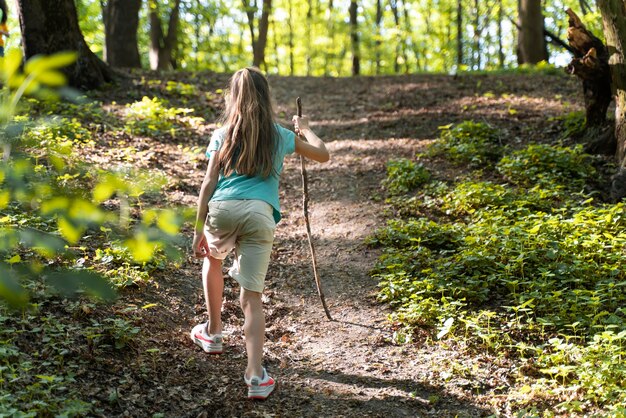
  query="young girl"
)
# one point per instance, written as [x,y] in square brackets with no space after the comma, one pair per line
[240,193]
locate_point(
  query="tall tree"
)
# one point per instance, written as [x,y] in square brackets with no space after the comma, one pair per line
[614,19]
[290,26]
[459,34]
[162,44]
[354,37]
[259,41]
[393,4]
[379,34]
[531,41]
[330,25]
[121,19]
[500,47]
[477,36]
[52,26]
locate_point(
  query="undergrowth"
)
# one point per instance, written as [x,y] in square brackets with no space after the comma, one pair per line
[528,265]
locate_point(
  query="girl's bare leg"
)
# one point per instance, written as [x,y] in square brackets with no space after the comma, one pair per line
[213,282]
[254,329]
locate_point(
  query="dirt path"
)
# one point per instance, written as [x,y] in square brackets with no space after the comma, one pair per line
[348,367]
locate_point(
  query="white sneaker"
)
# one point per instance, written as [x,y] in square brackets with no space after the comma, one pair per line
[211,344]
[260,388]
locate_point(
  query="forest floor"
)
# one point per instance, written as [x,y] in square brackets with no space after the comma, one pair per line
[351,366]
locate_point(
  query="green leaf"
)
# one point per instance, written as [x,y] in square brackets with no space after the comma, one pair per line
[44,243]
[167,221]
[10,289]
[70,232]
[41,64]
[52,78]
[72,282]
[11,63]
[141,247]
[103,191]
[14,260]
[5,198]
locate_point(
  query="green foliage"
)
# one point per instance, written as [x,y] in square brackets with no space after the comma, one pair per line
[573,124]
[548,166]
[51,201]
[473,143]
[215,35]
[152,116]
[119,264]
[181,89]
[43,380]
[404,175]
[533,272]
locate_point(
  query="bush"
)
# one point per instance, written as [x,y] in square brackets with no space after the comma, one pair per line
[532,273]
[404,175]
[152,116]
[548,166]
[473,143]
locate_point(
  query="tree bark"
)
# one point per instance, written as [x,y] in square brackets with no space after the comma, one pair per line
[614,19]
[121,20]
[258,41]
[477,35]
[459,34]
[330,56]
[500,47]
[162,44]
[354,38]
[50,26]
[379,34]
[531,42]
[591,65]
[393,4]
[291,46]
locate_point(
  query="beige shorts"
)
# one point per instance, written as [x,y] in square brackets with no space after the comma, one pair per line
[247,226]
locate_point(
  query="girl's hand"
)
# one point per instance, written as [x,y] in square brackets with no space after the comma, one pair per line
[300,123]
[199,246]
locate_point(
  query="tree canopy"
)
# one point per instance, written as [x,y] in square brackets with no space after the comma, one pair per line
[313,37]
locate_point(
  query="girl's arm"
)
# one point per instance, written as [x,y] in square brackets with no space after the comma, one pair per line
[315,148]
[200,246]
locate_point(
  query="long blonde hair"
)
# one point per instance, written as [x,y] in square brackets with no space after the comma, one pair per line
[249,144]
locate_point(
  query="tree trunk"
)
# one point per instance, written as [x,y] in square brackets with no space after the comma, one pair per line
[379,33]
[308,28]
[161,44]
[531,41]
[259,51]
[459,34]
[331,35]
[258,42]
[614,19]
[354,37]
[393,4]
[500,47]
[50,26]
[477,34]
[591,65]
[290,27]
[121,20]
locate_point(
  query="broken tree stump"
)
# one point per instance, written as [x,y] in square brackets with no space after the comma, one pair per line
[591,65]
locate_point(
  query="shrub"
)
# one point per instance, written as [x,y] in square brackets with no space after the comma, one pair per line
[473,143]
[533,273]
[404,175]
[548,166]
[152,116]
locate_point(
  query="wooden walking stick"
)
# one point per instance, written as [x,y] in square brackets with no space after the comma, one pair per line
[305,209]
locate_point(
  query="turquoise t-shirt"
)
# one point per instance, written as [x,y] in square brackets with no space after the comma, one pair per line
[240,187]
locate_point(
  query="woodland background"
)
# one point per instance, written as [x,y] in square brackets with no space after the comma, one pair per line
[470,226]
